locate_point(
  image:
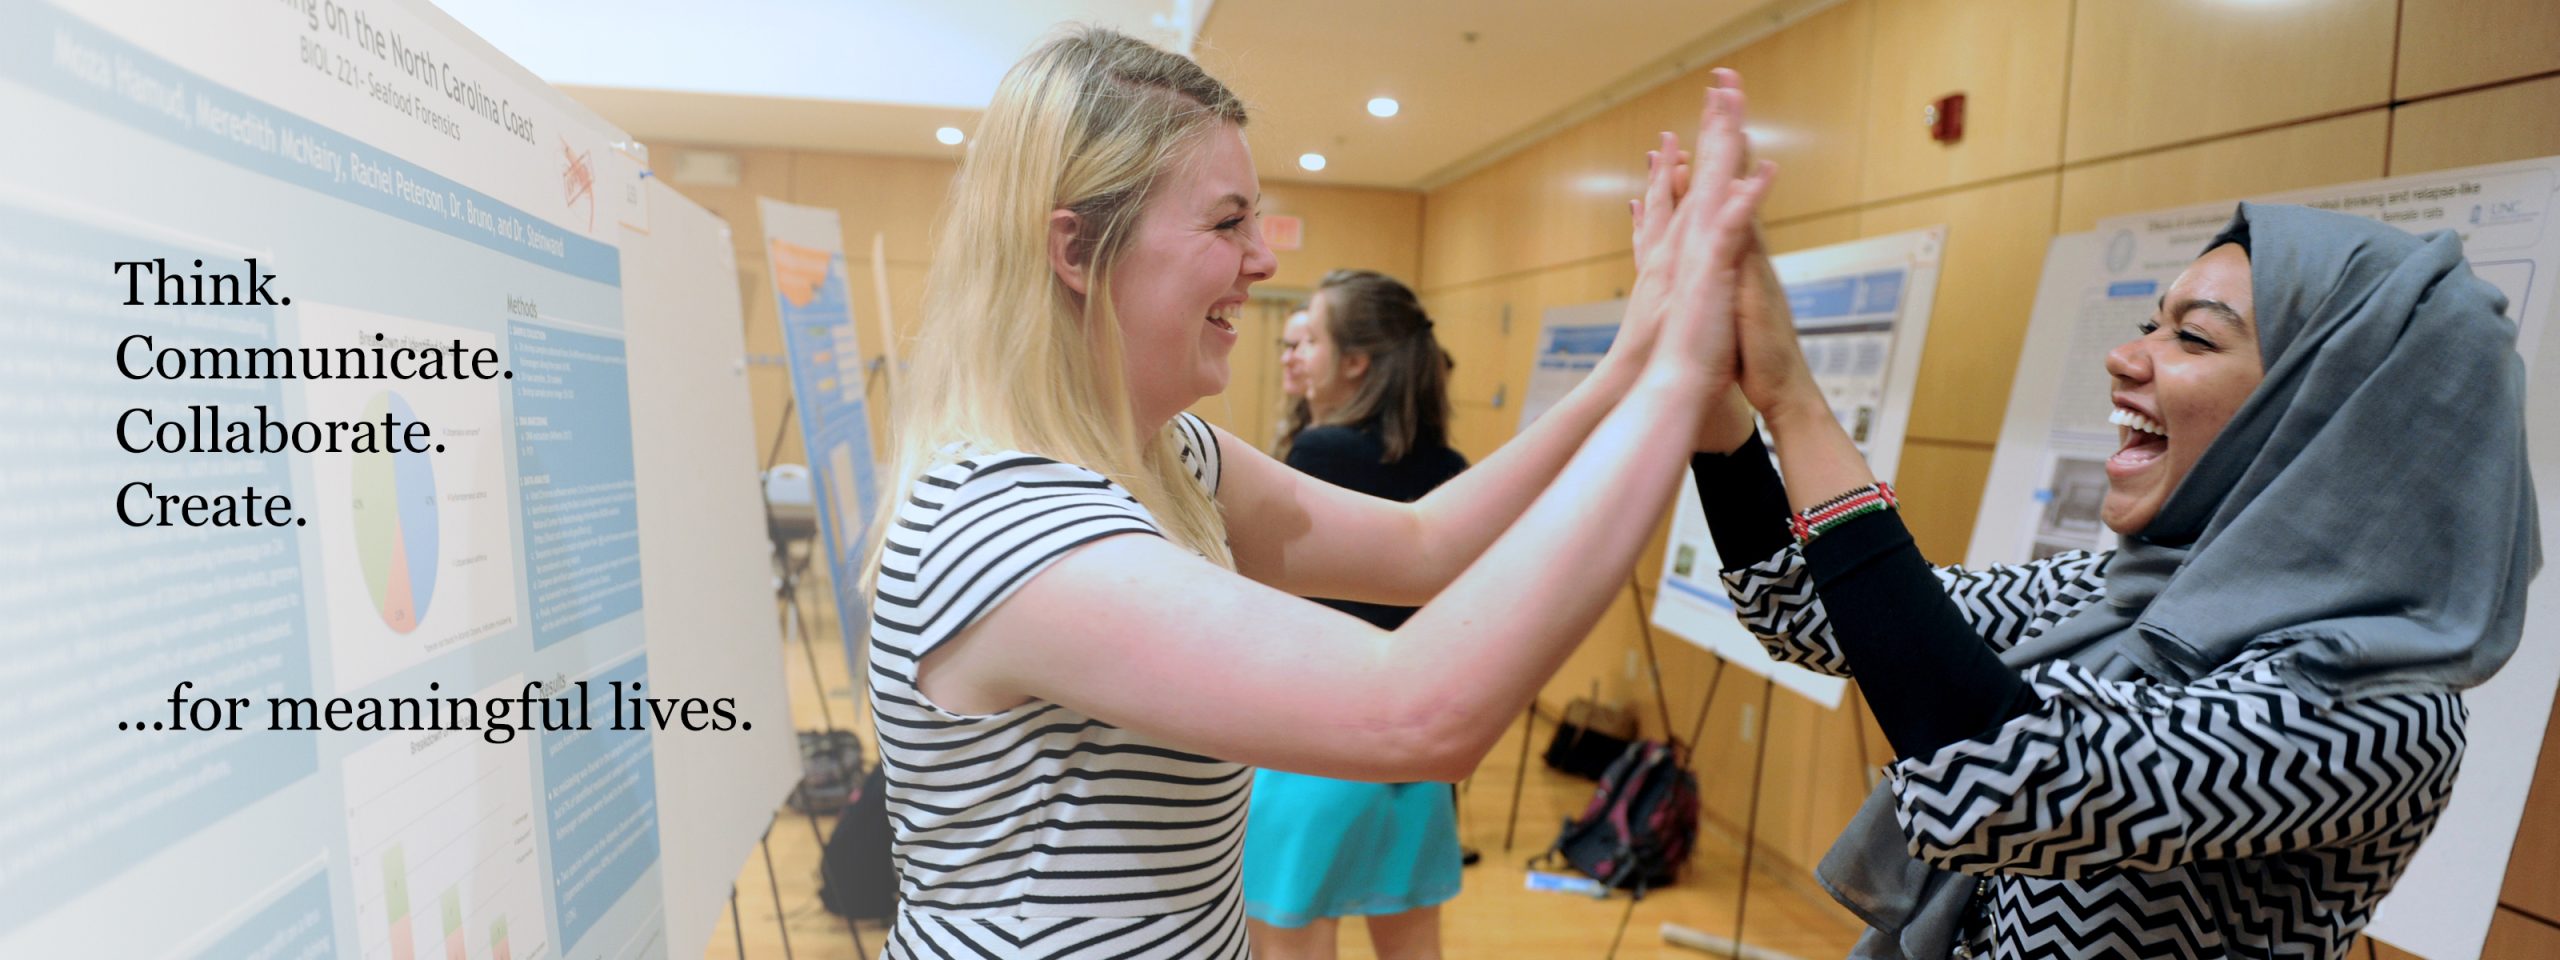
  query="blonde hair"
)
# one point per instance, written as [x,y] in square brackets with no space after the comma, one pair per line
[1007,359]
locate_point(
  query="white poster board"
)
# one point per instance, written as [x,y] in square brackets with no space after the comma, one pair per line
[405,188]
[2098,285]
[2041,497]
[1862,313]
[1571,340]
[804,250]
[707,566]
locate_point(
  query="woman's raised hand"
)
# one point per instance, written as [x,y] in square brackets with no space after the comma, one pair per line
[1693,228]
[1773,368]
[1666,175]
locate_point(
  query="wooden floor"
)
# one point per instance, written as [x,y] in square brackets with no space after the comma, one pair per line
[1496,918]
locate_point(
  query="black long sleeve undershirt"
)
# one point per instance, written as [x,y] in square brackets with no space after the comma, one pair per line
[1888,614]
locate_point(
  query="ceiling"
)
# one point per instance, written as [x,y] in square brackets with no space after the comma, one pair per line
[1474,77]
[1469,74]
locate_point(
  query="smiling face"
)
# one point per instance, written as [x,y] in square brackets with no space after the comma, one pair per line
[1182,280]
[1293,367]
[2178,383]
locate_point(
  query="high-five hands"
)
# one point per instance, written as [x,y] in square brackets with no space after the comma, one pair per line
[1728,418]
[1693,230]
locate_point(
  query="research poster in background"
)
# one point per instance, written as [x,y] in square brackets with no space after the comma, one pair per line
[1571,341]
[2039,497]
[406,187]
[805,246]
[1862,313]
[2048,475]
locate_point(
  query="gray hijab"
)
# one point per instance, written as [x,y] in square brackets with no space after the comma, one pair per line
[2368,506]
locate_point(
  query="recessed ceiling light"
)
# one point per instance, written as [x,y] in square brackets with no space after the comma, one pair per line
[950,135]
[1383,106]
[1311,162]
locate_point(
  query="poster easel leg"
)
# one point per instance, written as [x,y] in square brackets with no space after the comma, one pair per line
[1520,777]
[1652,660]
[1751,822]
[786,592]
[781,918]
[809,646]
[1623,919]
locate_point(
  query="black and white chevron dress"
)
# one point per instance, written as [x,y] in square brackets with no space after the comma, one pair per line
[2223,818]
[1037,832]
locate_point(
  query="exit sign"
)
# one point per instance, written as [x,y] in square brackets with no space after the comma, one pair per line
[1284,233]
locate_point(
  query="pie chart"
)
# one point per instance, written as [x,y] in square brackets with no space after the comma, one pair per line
[395,524]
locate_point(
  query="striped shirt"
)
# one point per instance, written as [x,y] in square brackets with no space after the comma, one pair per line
[1037,832]
[2226,817]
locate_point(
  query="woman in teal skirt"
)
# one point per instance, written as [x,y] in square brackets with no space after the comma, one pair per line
[1369,411]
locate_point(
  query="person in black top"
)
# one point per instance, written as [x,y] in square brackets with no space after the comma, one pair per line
[2230,735]
[1376,410]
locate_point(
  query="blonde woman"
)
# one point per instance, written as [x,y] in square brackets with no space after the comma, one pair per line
[1083,622]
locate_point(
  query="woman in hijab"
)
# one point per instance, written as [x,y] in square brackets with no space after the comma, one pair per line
[2229,736]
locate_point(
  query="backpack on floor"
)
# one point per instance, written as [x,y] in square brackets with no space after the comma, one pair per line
[1589,737]
[856,878]
[830,771]
[1640,825]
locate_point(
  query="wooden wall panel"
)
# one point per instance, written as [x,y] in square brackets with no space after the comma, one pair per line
[1986,288]
[2469,129]
[1483,403]
[1807,87]
[1459,222]
[1809,232]
[2340,150]
[2533,868]
[2517,935]
[2148,73]
[2005,56]
[2448,44]
[1940,486]
[1587,175]
[761,173]
[898,198]
[1347,227]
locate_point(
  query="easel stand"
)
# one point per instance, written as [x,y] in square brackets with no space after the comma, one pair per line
[1686,751]
[788,576]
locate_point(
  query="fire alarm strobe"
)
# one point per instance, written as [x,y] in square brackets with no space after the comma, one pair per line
[1945,118]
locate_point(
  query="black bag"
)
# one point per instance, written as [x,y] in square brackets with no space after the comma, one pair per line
[857,880]
[1589,738]
[1640,825]
[830,771]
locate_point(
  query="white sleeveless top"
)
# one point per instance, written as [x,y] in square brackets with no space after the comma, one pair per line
[1037,832]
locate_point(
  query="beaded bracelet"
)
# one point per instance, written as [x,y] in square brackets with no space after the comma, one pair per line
[1820,519]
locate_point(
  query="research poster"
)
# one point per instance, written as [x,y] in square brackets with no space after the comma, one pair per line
[320,606]
[1571,341]
[805,247]
[1862,313]
[2047,475]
